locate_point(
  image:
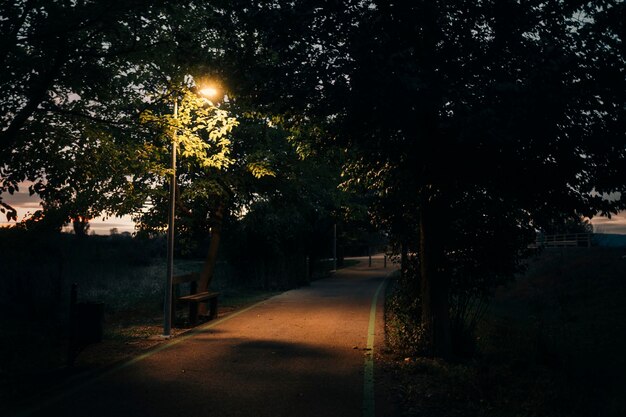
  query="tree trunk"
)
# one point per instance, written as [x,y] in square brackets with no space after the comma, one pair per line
[404,259]
[435,285]
[208,269]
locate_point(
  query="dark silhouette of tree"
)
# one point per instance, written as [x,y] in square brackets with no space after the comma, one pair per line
[498,104]
[452,106]
[81,226]
[74,77]
[466,122]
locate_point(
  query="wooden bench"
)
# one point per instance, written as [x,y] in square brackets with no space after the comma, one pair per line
[194,297]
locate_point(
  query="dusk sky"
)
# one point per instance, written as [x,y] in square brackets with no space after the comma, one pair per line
[25,204]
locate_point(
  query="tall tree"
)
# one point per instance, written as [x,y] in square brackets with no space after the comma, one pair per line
[518,103]
[75,75]
[502,104]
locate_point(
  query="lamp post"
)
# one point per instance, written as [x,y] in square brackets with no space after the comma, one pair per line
[167,308]
[335,247]
[167,303]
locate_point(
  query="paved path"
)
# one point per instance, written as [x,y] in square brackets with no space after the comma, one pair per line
[292,355]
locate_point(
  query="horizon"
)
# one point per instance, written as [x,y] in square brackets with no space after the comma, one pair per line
[25,204]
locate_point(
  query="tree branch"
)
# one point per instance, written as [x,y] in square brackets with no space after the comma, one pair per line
[59,110]
[35,97]
[11,39]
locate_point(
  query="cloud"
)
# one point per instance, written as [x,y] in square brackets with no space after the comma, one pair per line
[103,227]
[21,200]
[616,224]
[25,204]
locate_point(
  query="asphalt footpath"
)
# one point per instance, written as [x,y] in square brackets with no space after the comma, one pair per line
[305,352]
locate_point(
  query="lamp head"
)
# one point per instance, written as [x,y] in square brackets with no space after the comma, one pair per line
[208,92]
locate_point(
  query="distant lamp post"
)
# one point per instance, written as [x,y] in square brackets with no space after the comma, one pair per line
[209,92]
[335,247]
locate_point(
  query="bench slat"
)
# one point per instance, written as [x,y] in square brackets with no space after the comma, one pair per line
[194,299]
[201,296]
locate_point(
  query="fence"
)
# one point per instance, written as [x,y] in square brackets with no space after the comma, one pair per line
[565,240]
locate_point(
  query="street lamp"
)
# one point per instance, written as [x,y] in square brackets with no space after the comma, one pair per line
[209,92]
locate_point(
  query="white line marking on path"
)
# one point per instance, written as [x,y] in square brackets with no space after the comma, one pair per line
[369,407]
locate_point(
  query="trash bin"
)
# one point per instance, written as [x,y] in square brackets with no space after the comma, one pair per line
[87,323]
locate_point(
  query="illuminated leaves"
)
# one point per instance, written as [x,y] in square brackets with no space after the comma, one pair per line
[200,129]
[261,169]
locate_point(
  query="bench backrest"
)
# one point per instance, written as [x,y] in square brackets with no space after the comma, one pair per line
[181,279]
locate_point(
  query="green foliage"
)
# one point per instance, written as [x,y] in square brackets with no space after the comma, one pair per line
[76,76]
[260,169]
[496,117]
[200,129]
[486,119]
[567,225]
[289,217]
[402,307]
[75,126]
[548,346]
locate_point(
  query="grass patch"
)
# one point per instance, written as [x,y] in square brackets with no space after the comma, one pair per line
[125,274]
[347,263]
[551,345]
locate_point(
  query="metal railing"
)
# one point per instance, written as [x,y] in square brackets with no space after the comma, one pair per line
[575,240]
